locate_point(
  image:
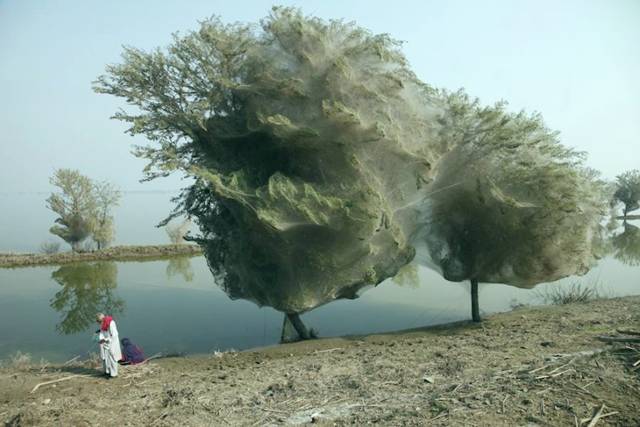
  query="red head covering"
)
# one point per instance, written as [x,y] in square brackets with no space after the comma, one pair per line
[106,321]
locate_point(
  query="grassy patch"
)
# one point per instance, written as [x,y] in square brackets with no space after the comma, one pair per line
[575,292]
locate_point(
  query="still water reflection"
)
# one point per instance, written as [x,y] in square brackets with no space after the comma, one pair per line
[626,245]
[174,306]
[87,289]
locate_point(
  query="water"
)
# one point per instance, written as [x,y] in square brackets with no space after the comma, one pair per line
[174,306]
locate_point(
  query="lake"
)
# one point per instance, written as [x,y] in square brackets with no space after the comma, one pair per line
[174,306]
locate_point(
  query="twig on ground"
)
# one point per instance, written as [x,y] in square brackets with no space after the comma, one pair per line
[162,416]
[274,410]
[58,380]
[596,417]
[617,339]
[71,360]
[583,390]
[155,356]
[328,350]
[628,332]
[599,417]
[443,414]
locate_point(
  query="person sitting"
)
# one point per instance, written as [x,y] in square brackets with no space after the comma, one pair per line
[131,353]
[110,352]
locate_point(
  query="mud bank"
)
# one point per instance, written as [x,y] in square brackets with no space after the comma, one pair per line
[533,366]
[115,253]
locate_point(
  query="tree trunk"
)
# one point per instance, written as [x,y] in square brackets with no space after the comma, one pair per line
[475,305]
[289,333]
[300,328]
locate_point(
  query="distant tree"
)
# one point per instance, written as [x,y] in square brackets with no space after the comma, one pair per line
[107,197]
[75,205]
[176,232]
[50,247]
[628,190]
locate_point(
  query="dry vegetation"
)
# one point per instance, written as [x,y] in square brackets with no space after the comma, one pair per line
[115,253]
[534,366]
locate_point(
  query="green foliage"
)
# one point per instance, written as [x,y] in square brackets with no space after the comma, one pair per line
[321,164]
[87,289]
[408,276]
[628,190]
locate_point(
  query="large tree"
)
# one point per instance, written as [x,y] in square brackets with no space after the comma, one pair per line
[628,190]
[510,204]
[316,155]
[75,205]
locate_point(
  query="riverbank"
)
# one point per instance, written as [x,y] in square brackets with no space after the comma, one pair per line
[115,253]
[533,366]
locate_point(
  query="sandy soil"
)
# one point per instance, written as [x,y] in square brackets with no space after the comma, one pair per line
[534,366]
[115,253]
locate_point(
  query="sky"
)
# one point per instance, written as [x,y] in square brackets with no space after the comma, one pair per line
[576,62]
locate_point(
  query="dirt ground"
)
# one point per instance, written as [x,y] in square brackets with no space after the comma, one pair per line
[533,366]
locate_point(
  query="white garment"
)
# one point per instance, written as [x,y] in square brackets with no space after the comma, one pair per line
[110,351]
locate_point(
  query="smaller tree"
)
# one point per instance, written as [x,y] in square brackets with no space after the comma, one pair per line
[176,232]
[107,197]
[75,205]
[628,190]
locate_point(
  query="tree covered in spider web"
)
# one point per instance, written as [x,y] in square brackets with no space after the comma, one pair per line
[303,136]
[509,203]
[321,164]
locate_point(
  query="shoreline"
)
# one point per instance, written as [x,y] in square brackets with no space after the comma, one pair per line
[532,366]
[114,253]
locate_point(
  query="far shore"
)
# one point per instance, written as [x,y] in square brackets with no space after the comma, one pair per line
[115,253]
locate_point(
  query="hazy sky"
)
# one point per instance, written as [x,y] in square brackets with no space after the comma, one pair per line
[577,62]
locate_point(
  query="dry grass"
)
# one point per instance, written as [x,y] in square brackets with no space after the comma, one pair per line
[575,292]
